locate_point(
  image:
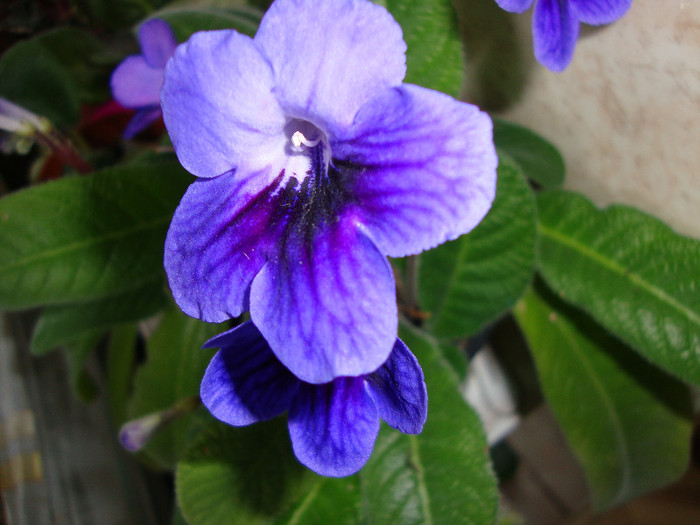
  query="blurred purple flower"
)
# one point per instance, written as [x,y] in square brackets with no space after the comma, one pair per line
[332,426]
[555,24]
[315,162]
[137,81]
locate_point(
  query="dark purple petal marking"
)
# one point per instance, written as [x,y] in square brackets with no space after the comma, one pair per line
[399,392]
[329,58]
[135,84]
[157,42]
[429,168]
[597,12]
[220,108]
[244,381]
[333,426]
[515,6]
[555,31]
[141,120]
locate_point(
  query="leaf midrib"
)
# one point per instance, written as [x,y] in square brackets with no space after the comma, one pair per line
[615,268]
[77,246]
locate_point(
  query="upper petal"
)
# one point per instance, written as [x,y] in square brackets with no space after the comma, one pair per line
[244,381]
[136,84]
[399,392]
[217,241]
[157,42]
[333,426]
[555,31]
[597,12]
[429,168]
[515,6]
[219,106]
[330,57]
[327,302]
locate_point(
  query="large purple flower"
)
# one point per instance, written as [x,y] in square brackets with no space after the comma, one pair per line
[137,81]
[314,164]
[333,426]
[555,24]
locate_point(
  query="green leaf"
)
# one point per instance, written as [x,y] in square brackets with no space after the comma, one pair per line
[87,238]
[239,475]
[173,370]
[537,158]
[54,66]
[470,281]
[632,273]
[186,20]
[434,57]
[628,423]
[60,324]
[77,353]
[121,358]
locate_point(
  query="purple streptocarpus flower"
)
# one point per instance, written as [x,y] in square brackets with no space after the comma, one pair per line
[137,81]
[555,24]
[315,162]
[332,426]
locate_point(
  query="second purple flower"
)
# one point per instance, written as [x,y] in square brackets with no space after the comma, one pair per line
[314,163]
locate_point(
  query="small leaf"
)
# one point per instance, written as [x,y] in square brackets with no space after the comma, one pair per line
[632,273]
[470,281]
[77,353]
[239,475]
[173,370]
[434,57]
[186,20]
[537,158]
[628,423]
[59,324]
[121,357]
[87,238]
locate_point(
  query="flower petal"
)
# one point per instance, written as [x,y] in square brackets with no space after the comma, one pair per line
[555,31]
[217,243]
[430,168]
[219,107]
[330,57]
[399,392]
[327,304]
[141,120]
[515,6]
[597,12]
[244,381]
[136,84]
[333,426]
[157,42]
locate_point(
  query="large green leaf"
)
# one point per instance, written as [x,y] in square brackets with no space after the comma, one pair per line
[51,67]
[186,20]
[173,370]
[631,272]
[538,158]
[628,422]
[442,476]
[87,238]
[434,57]
[470,281]
[60,324]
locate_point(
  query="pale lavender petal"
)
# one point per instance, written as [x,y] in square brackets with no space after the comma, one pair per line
[399,392]
[429,168]
[217,242]
[555,31]
[157,42]
[141,120]
[244,381]
[597,12]
[327,303]
[515,6]
[136,84]
[333,426]
[219,106]
[329,58]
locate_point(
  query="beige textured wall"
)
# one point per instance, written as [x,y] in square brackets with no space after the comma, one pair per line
[626,113]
